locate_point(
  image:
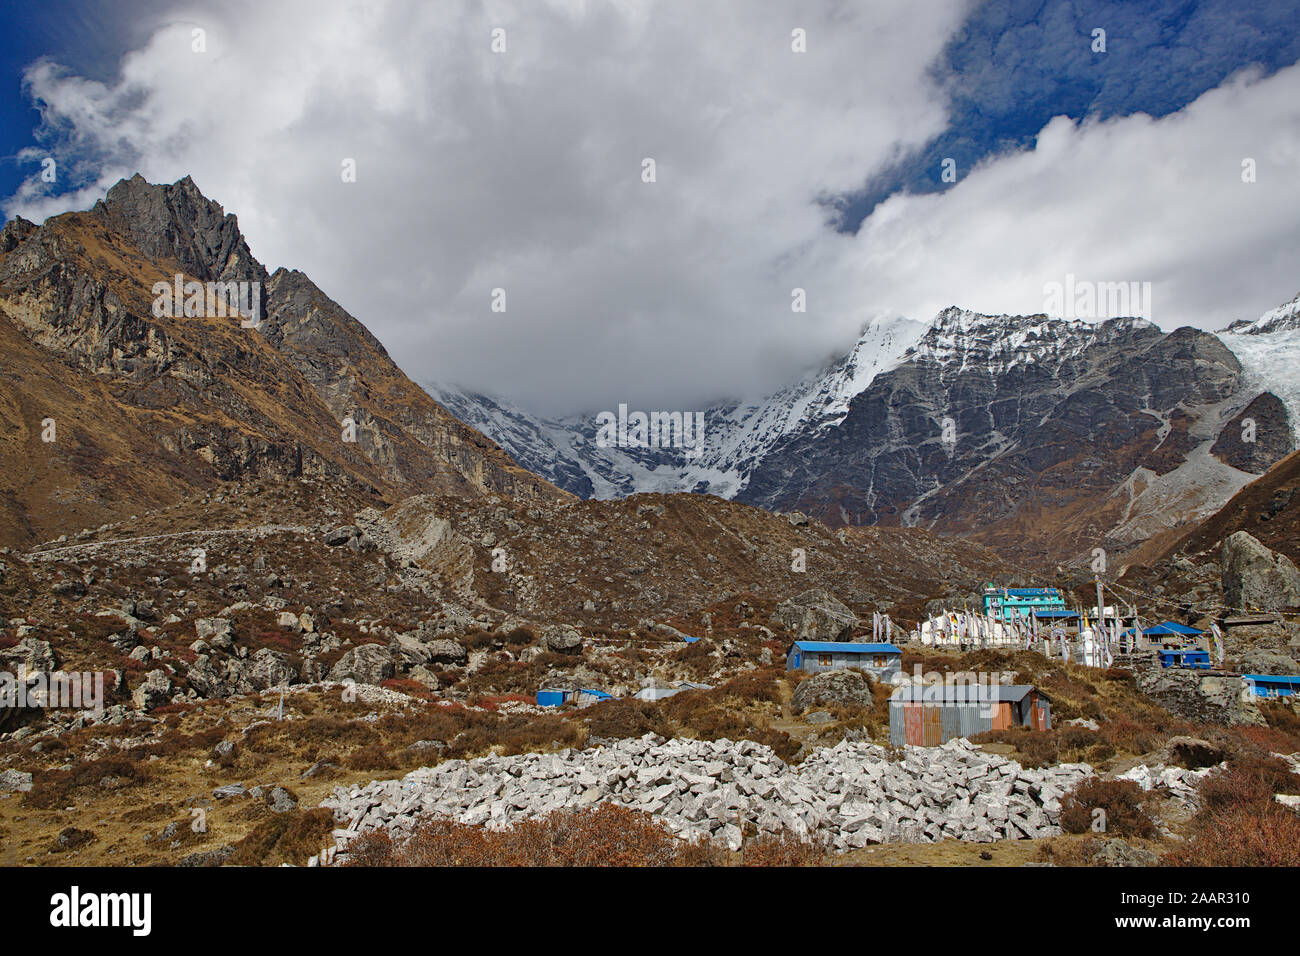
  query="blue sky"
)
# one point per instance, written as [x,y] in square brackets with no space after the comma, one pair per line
[818,171]
[1017,63]
[88,37]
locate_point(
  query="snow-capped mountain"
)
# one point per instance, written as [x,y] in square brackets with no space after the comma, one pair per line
[1269,351]
[1055,435]
[737,434]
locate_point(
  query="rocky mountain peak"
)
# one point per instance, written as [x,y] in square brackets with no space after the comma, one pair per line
[177,222]
[1285,318]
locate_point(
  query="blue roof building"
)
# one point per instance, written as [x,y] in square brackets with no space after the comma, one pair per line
[885,661]
[1191,657]
[1272,685]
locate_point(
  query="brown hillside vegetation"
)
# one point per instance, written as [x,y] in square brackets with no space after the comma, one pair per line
[149,409]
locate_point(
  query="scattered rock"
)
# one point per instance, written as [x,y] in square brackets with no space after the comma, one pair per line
[15,780]
[815,615]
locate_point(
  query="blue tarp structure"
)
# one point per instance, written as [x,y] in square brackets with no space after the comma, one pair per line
[1167,629]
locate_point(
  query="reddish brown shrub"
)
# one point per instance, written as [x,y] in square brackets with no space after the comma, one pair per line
[782,849]
[1244,834]
[1121,800]
[605,835]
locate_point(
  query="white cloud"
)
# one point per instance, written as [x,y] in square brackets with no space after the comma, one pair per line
[1131,199]
[522,171]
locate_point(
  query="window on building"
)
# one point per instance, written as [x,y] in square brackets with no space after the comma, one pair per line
[826,660]
[878,661]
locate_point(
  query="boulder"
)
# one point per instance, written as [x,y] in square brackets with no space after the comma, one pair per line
[270,668]
[1263,661]
[153,691]
[341,535]
[365,664]
[36,656]
[15,780]
[216,631]
[1193,753]
[815,615]
[1256,578]
[204,679]
[280,800]
[842,688]
[444,651]
[562,639]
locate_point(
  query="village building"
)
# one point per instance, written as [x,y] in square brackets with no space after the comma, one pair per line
[1192,658]
[1169,635]
[927,715]
[1272,685]
[1004,604]
[884,661]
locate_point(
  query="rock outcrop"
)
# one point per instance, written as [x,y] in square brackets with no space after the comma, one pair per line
[815,615]
[841,688]
[1256,578]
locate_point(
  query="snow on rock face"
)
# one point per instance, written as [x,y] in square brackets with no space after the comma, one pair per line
[1269,351]
[736,436]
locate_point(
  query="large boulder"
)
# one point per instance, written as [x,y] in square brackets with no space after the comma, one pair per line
[562,639]
[365,664]
[154,691]
[445,651]
[843,688]
[204,678]
[271,669]
[815,615]
[36,656]
[416,652]
[1255,578]
[216,631]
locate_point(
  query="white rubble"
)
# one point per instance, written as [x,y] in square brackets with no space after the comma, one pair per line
[1179,782]
[850,795]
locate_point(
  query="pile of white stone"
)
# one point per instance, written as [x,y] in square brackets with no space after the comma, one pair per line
[849,795]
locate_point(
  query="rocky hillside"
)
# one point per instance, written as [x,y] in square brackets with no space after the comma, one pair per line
[1061,436]
[112,409]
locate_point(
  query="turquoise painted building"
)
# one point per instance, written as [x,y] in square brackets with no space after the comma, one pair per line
[1003,604]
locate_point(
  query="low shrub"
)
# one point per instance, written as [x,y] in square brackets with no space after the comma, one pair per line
[1120,800]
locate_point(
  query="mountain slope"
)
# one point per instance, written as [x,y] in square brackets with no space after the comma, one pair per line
[1065,436]
[148,408]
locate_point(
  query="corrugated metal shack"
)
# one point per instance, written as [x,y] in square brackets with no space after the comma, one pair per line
[885,661]
[927,716]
